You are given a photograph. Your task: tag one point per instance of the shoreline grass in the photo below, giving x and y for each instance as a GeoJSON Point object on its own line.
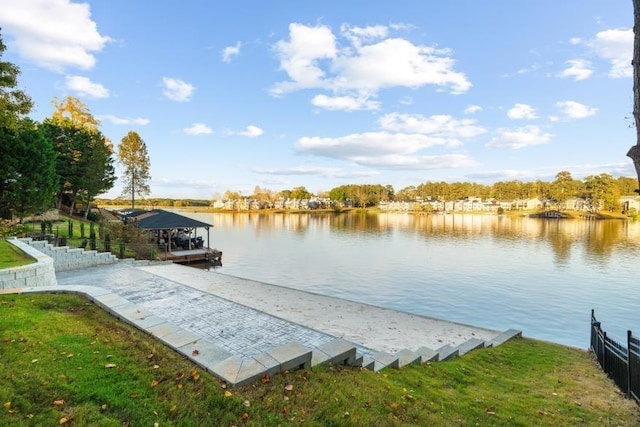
{"type": "Point", "coordinates": [64, 361]}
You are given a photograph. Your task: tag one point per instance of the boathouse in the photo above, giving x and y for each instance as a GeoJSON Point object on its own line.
{"type": "Point", "coordinates": [176, 235]}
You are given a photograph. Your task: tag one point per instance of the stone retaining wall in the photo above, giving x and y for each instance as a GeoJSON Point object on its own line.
{"type": "Point", "coordinates": [40, 273]}
{"type": "Point", "coordinates": [66, 258]}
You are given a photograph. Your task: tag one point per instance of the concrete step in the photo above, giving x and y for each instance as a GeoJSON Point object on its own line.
{"type": "Point", "coordinates": [470, 345]}
{"type": "Point", "coordinates": [356, 361]}
{"type": "Point", "coordinates": [291, 356]}
{"type": "Point", "coordinates": [335, 352]}
{"type": "Point", "coordinates": [407, 357]}
{"type": "Point", "coordinates": [383, 360]}
{"type": "Point", "coordinates": [428, 355]}
{"type": "Point", "coordinates": [504, 337]}
{"type": "Point", "coordinates": [446, 352]}
{"type": "Point", "coordinates": [368, 363]}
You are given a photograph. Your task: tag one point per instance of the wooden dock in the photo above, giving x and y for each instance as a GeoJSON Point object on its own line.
{"type": "Point", "coordinates": [194, 256]}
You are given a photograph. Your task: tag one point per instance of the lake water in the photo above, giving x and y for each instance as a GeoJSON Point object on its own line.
{"type": "Point", "coordinates": [540, 276]}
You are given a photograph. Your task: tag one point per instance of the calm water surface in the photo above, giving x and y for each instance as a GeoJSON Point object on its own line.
{"type": "Point", "coordinates": [540, 276]}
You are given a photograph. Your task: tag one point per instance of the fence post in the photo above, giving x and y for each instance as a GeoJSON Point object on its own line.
{"type": "Point", "coordinates": [629, 334]}
{"type": "Point", "coordinates": [604, 352]}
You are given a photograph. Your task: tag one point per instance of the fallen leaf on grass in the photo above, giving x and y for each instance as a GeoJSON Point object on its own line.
{"type": "Point", "coordinates": [110, 365]}
{"type": "Point", "coordinates": [195, 375]}
{"type": "Point", "coordinates": [245, 416]}
{"type": "Point", "coordinates": [265, 379]}
{"type": "Point", "coordinates": [228, 394]}
{"type": "Point", "coordinates": [66, 419]}
{"type": "Point", "coordinates": [7, 405]}
{"type": "Point", "coordinates": [34, 361]}
{"type": "Point", "coordinates": [58, 402]}
{"type": "Point", "coordinates": [154, 383]}
{"type": "Point", "coordinates": [288, 387]}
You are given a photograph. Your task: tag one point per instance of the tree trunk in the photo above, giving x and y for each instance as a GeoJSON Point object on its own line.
{"type": "Point", "coordinates": [88, 208]}
{"type": "Point", "coordinates": [634, 152]}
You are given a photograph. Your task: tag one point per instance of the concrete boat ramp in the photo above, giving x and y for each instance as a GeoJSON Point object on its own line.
{"type": "Point", "coordinates": [241, 330]}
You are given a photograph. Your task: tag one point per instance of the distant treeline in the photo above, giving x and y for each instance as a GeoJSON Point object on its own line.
{"type": "Point", "coordinates": [603, 188]}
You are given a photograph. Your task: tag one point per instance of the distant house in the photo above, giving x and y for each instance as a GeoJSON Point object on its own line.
{"type": "Point", "coordinates": [630, 202]}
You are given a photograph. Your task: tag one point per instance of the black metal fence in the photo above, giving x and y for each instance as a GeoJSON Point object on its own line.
{"type": "Point", "coordinates": [620, 363]}
{"type": "Point", "coordinates": [119, 248]}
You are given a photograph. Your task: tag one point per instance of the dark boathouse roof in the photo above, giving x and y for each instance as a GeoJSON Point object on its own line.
{"type": "Point", "coordinates": [159, 219]}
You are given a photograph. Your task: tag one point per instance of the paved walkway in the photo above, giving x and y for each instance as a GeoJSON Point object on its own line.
{"type": "Point", "coordinates": [247, 317]}
{"type": "Point", "coordinates": [239, 329]}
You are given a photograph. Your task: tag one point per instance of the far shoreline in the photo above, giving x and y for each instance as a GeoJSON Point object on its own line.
{"type": "Point", "coordinates": [581, 215]}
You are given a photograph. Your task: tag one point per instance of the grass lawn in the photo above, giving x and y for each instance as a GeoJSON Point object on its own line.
{"type": "Point", "coordinates": [11, 256]}
{"type": "Point", "coordinates": [63, 361]}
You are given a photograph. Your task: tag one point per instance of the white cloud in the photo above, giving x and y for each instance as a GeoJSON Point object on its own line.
{"type": "Point", "coordinates": [366, 144]}
{"type": "Point", "coordinates": [251, 131]}
{"type": "Point", "coordinates": [360, 35]}
{"type": "Point", "coordinates": [575, 40]}
{"type": "Point", "coordinates": [54, 34]}
{"type": "Point", "coordinates": [300, 55]}
{"type": "Point", "coordinates": [397, 62]}
{"type": "Point", "coordinates": [616, 46]}
{"type": "Point", "coordinates": [472, 109]}
{"type": "Point", "coordinates": [369, 62]}
{"type": "Point", "coordinates": [440, 126]}
{"type": "Point", "coordinates": [124, 120]}
{"type": "Point", "coordinates": [401, 162]}
{"type": "Point", "coordinates": [575, 110]}
{"type": "Point", "coordinates": [314, 170]}
{"type": "Point", "coordinates": [84, 87]}
{"type": "Point", "coordinates": [522, 111]}
{"type": "Point", "coordinates": [578, 69]}
{"type": "Point", "coordinates": [230, 51]}
{"type": "Point", "coordinates": [177, 90]}
{"type": "Point", "coordinates": [520, 138]}
{"type": "Point", "coordinates": [345, 103]}
{"type": "Point", "coordinates": [198, 129]}
{"type": "Point", "coordinates": [384, 150]}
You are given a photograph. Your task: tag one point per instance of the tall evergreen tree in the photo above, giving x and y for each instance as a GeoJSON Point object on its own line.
{"type": "Point", "coordinates": [26, 159]}
{"type": "Point", "coordinates": [133, 155]}
{"type": "Point", "coordinates": [14, 103]}
{"type": "Point", "coordinates": [27, 168]}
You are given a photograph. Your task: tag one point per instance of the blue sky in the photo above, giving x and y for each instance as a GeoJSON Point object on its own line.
{"type": "Point", "coordinates": [230, 95]}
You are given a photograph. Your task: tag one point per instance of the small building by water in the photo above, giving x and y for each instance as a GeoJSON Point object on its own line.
{"type": "Point", "coordinates": [178, 237]}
